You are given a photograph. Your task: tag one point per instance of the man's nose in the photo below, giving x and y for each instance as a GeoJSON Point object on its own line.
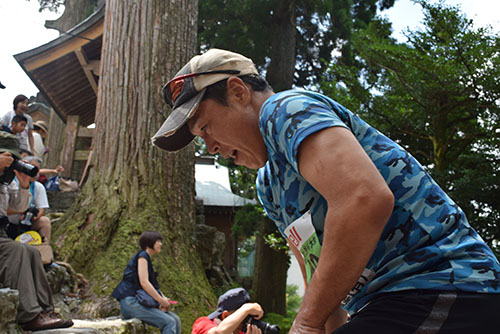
{"type": "Point", "coordinates": [212, 146]}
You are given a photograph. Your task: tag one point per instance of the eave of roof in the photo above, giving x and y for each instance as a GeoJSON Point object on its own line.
{"type": "Point", "coordinates": [61, 69]}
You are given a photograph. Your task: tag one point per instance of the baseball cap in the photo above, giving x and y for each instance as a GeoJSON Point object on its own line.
{"type": "Point", "coordinates": [9, 143]}
{"type": "Point", "coordinates": [185, 91]}
{"type": "Point", "coordinates": [229, 301]}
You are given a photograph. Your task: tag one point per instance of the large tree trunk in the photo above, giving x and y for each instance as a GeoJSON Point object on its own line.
{"type": "Point", "coordinates": [135, 186]}
{"type": "Point", "coordinates": [269, 276]}
{"type": "Point", "coordinates": [270, 273]}
{"type": "Point", "coordinates": [282, 66]}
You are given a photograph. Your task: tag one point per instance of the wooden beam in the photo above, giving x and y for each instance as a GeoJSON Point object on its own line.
{"type": "Point", "coordinates": [67, 47]}
{"type": "Point", "coordinates": [85, 170]}
{"type": "Point", "coordinates": [83, 62]}
{"type": "Point", "coordinates": [95, 67]}
{"type": "Point", "coordinates": [81, 155]}
{"type": "Point", "coordinates": [85, 132]}
{"type": "Point", "coordinates": [68, 150]}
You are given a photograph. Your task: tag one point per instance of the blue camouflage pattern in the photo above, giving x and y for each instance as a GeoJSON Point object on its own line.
{"type": "Point", "coordinates": [427, 242]}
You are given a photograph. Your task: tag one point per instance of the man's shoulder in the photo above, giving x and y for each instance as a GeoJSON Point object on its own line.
{"type": "Point", "coordinates": [39, 187]}
{"type": "Point", "coordinates": [202, 325]}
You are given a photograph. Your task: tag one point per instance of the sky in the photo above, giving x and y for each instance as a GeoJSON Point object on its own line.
{"type": "Point", "coordinates": [22, 29]}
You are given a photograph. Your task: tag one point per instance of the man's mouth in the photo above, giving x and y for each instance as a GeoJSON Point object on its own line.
{"type": "Point", "coordinates": [233, 154]}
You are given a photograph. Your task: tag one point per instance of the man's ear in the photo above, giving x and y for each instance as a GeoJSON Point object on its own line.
{"type": "Point", "coordinates": [224, 314]}
{"type": "Point", "coordinates": [237, 91]}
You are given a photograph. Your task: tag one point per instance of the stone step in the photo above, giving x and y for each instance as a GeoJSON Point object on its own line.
{"type": "Point", "coordinates": [113, 325]}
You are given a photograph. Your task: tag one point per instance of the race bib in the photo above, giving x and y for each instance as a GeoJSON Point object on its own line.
{"type": "Point", "coordinates": [302, 235]}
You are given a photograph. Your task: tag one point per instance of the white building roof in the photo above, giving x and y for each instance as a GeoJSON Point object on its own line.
{"type": "Point", "coordinates": [213, 186]}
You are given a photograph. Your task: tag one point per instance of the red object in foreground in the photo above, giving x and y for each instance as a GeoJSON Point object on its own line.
{"type": "Point", "coordinates": [173, 302]}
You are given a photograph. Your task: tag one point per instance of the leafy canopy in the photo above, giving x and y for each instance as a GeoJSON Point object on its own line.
{"type": "Point", "coordinates": [437, 94]}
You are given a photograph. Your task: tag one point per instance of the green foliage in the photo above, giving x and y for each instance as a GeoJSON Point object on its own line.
{"type": "Point", "coordinates": [437, 95]}
{"type": "Point", "coordinates": [293, 301]}
{"type": "Point", "coordinates": [276, 242]}
{"type": "Point", "coordinates": [246, 247]}
{"type": "Point", "coordinates": [246, 26]}
{"type": "Point", "coordinates": [246, 220]}
{"type": "Point", "coordinates": [51, 5]}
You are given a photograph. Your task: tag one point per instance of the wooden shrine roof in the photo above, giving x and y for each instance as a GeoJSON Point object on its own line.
{"type": "Point", "coordinates": [66, 70]}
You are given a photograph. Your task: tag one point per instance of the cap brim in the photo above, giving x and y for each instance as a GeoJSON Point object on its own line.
{"type": "Point", "coordinates": [214, 314]}
{"type": "Point", "coordinates": [174, 133]}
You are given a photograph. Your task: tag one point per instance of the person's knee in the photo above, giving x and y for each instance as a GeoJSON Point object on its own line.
{"type": "Point", "coordinates": [169, 321]}
{"type": "Point", "coordinates": [43, 222]}
{"type": "Point", "coordinates": [43, 226]}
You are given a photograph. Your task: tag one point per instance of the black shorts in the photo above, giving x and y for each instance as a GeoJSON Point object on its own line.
{"type": "Point", "coordinates": [427, 312]}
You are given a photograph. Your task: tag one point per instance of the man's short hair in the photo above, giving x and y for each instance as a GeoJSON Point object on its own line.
{"type": "Point", "coordinates": [217, 91]}
{"type": "Point", "coordinates": [19, 118]}
{"type": "Point", "coordinates": [148, 239]}
{"type": "Point", "coordinates": [24, 151]}
{"type": "Point", "coordinates": [31, 158]}
{"type": "Point", "coordinates": [19, 98]}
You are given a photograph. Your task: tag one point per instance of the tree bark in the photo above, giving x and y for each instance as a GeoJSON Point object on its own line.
{"type": "Point", "coordinates": [283, 43]}
{"type": "Point", "coordinates": [270, 272]}
{"type": "Point", "coordinates": [134, 186]}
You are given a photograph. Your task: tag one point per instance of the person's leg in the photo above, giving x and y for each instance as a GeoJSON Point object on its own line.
{"type": "Point", "coordinates": [42, 287]}
{"type": "Point", "coordinates": [44, 227]}
{"type": "Point", "coordinates": [473, 313]}
{"type": "Point", "coordinates": [130, 308]}
{"type": "Point", "coordinates": [16, 273]}
{"type": "Point", "coordinates": [177, 321]}
{"type": "Point", "coordinates": [423, 312]}
{"type": "Point", "coordinates": [390, 313]}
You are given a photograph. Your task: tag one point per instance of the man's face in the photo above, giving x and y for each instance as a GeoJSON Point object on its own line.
{"type": "Point", "coordinates": [34, 163]}
{"type": "Point", "coordinates": [22, 107]}
{"type": "Point", "coordinates": [18, 127]}
{"type": "Point", "coordinates": [232, 131]}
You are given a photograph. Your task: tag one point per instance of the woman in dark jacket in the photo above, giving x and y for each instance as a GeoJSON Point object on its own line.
{"type": "Point", "coordinates": [139, 274]}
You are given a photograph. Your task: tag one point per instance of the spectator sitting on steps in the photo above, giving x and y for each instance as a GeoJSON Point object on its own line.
{"type": "Point", "coordinates": [21, 267]}
{"type": "Point", "coordinates": [17, 125]}
{"type": "Point", "coordinates": [40, 131]}
{"type": "Point", "coordinates": [20, 108]}
{"type": "Point", "coordinates": [38, 204]}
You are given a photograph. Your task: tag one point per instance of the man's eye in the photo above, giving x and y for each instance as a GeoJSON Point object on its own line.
{"type": "Point", "coordinates": [203, 128]}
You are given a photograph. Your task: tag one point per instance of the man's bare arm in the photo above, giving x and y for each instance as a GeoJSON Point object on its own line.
{"type": "Point", "coordinates": [359, 205]}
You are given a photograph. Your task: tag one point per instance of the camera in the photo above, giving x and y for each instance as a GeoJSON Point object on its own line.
{"type": "Point", "coordinates": [20, 166]}
{"type": "Point", "coordinates": [265, 327]}
{"type": "Point", "coordinates": [25, 168]}
{"type": "Point", "coordinates": [31, 213]}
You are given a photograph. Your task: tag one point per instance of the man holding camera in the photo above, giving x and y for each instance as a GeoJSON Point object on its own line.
{"type": "Point", "coordinates": [233, 308]}
{"type": "Point", "coordinates": [34, 217]}
{"type": "Point", "coordinates": [21, 267]}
